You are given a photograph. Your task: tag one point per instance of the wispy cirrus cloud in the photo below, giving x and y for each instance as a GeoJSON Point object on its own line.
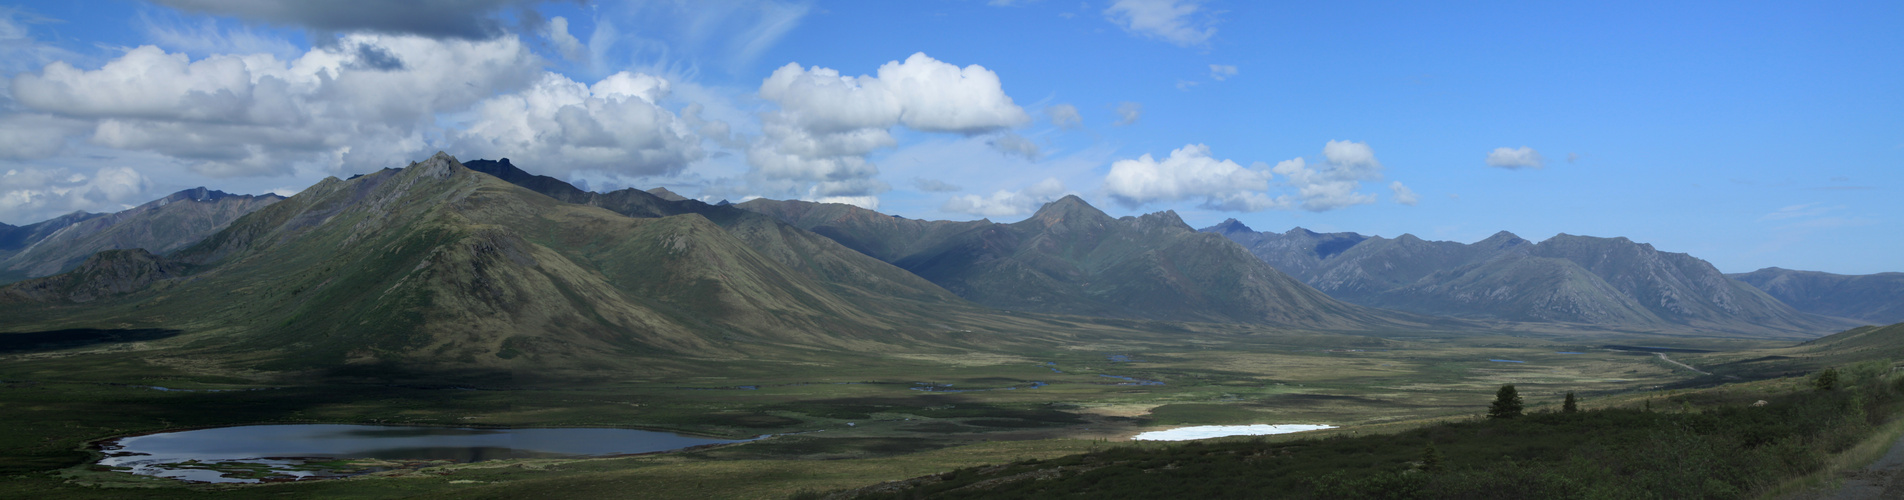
{"type": "Point", "coordinates": [1183, 23]}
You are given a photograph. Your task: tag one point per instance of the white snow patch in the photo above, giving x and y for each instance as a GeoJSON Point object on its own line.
{"type": "Point", "coordinates": [1217, 431]}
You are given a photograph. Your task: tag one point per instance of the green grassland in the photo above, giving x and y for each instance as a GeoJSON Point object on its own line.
{"type": "Point", "coordinates": [1044, 393]}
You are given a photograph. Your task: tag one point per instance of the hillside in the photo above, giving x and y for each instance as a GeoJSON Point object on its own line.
{"type": "Point", "coordinates": [437, 268]}
{"type": "Point", "coordinates": [816, 256]}
{"type": "Point", "coordinates": [1071, 258]}
{"type": "Point", "coordinates": [1609, 282]}
{"type": "Point", "coordinates": [1883, 344]}
{"type": "Point", "coordinates": [1876, 298]}
{"type": "Point", "coordinates": [160, 226]}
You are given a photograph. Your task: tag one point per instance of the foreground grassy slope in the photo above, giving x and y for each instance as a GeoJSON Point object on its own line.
{"type": "Point", "coordinates": [1717, 443]}
{"type": "Point", "coordinates": [1862, 343]}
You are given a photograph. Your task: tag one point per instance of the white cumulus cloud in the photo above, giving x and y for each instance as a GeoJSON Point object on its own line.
{"type": "Point", "coordinates": [1525, 157]}
{"type": "Point", "coordinates": [366, 101]}
{"type": "Point", "coordinates": [559, 125]}
{"type": "Point", "coordinates": [30, 195]}
{"type": "Point", "coordinates": [1173, 21]}
{"type": "Point", "coordinates": [828, 123]}
{"type": "Point", "coordinates": [1335, 182]}
{"type": "Point", "coordinates": [1003, 203]}
{"type": "Point", "coordinates": [1190, 173]}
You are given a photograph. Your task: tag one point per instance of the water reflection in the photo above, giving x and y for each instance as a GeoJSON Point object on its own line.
{"type": "Point", "coordinates": [286, 452]}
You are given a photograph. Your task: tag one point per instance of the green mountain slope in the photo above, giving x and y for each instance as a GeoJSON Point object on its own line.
{"type": "Point", "coordinates": [104, 275]}
{"type": "Point", "coordinates": [818, 257]}
{"type": "Point", "coordinates": [1877, 298]}
{"type": "Point", "coordinates": [1610, 282]}
{"type": "Point", "coordinates": [1878, 348]}
{"type": "Point", "coordinates": [160, 226]}
{"type": "Point", "coordinates": [442, 269]}
{"type": "Point", "coordinates": [1071, 258]}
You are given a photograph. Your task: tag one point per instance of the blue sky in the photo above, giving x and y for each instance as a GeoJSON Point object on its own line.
{"type": "Point", "coordinates": [1749, 134]}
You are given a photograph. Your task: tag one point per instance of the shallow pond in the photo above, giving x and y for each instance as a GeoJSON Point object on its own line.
{"type": "Point", "coordinates": [289, 452]}
{"type": "Point", "coordinates": [1217, 431]}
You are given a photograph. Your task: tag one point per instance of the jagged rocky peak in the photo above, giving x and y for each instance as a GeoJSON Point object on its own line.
{"type": "Point", "coordinates": [199, 194]}
{"type": "Point", "coordinates": [440, 165]}
{"type": "Point", "coordinates": [1231, 226]}
{"type": "Point", "coordinates": [1502, 240]}
{"type": "Point", "coordinates": [1167, 219]}
{"type": "Point", "coordinates": [1070, 208]}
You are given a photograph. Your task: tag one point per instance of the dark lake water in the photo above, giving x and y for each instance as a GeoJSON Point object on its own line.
{"type": "Point", "coordinates": [297, 451]}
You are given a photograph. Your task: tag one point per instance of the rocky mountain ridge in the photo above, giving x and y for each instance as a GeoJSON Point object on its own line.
{"type": "Point", "coordinates": [1613, 282]}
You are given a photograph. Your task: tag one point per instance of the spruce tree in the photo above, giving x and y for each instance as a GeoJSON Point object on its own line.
{"type": "Point", "coordinates": [1568, 406]}
{"type": "Point", "coordinates": [1507, 403]}
{"type": "Point", "coordinates": [1431, 459]}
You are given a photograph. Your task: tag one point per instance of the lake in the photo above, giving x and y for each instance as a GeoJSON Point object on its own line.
{"type": "Point", "coordinates": [1217, 431]}
{"type": "Point", "coordinates": [255, 453]}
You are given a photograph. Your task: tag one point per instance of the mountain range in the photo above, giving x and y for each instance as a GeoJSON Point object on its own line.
{"type": "Point", "coordinates": [1876, 298]}
{"type": "Point", "coordinates": [1071, 258]}
{"type": "Point", "coordinates": [160, 226]}
{"type": "Point", "coordinates": [1612, 282]}
{"type": "Point", "coordinates": [486, 268]}
{"type": "Point", "coordinates": [439, 268]}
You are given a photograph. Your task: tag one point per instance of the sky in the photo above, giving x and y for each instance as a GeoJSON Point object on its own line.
{"type": "Point", "coordinates": [1749, 134]}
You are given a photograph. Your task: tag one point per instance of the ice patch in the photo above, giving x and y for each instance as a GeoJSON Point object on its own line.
{"type": "Point", "coordinates": [1217, 431]}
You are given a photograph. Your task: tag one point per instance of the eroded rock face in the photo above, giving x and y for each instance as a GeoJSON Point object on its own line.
{"type": "Point", "coordinates": [160, 226]}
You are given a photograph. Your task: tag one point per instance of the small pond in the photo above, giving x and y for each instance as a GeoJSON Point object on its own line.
{"type": "Point", "coordinates": [1217, 431]}
{"type": "Point", "coordinates": [255, 453]}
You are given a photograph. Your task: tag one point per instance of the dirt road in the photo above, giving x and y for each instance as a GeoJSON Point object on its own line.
{"type": "Point", "coordinates": [1882, 479]}
{"type": "Point", "coordinates": [1662, 357]}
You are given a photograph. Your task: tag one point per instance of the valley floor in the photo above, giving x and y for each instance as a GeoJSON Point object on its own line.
{"type": "Point", "coordinates": [842, 420]}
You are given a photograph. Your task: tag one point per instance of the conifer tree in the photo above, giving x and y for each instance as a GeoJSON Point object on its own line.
{"type": "Point", "coordinates": [1431, 459]}
{"type": "Point", "coordinates": [1507, 403]}
{"type": "Point", "coordinates": [1569, 406]}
